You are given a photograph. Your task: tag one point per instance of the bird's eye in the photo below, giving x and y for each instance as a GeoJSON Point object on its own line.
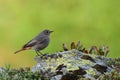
{"type": "Point", "coordinates": [47, 32]}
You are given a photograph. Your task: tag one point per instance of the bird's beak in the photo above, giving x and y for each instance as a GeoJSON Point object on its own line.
{"type": "Point", "coordinates": [51, 31]}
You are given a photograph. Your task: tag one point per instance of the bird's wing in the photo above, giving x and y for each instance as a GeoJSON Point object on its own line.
{"type": "Point", "coordinates": [34, 42]}
{"type": "Point", "coordinates": [44, 40]}
{"type": "Point", "coordinates": [30, 43]}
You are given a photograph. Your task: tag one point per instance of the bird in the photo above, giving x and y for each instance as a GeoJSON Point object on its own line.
{"type": "Point", "coordinates": [38, 43]}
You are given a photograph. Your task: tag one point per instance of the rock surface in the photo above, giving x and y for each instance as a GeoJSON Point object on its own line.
{"type": "Point", "coordinates": [71, 65]}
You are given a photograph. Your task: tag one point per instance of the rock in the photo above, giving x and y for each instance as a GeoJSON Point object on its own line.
{"type": "Point", "coordinates": [71, 65]}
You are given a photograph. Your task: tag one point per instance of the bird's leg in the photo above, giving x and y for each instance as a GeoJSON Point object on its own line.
{"type": "Point", "coordinates": [37, 53]}
{"type": "Point", "coordinates": [40, 52]}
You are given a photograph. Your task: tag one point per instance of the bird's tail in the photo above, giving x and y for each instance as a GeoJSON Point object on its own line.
{"type": "Point", "coordinates": [22, 49]}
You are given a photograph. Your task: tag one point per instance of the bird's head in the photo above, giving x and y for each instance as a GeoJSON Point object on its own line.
{"type": "Point", "coordinates": [47, 32]}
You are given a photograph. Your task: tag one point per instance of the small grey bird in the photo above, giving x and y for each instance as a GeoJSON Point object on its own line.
{"type": "Point", "coordinates": [38, 43]}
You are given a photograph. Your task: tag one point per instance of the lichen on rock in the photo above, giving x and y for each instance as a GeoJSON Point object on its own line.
{"type": "Point", "coordinates": [71, 64]}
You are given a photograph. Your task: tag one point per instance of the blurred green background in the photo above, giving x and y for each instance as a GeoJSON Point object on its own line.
{"type": "Point", "coordinates": [93, 22]}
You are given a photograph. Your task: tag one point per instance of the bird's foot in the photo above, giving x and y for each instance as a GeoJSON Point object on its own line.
{"type": "Point", "coordinates": [38, 53]}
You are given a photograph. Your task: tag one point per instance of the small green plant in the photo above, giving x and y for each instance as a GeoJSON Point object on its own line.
{"type": "Point", "coordinates": [18, 74]}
